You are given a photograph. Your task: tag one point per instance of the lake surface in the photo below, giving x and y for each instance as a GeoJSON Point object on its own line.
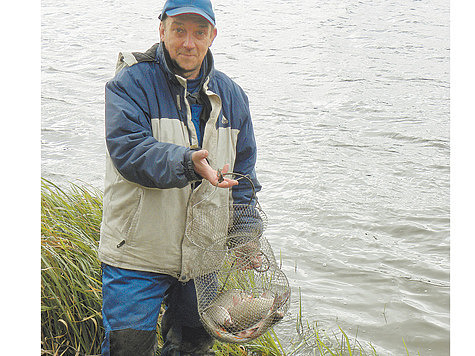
{"type": "Point", "coordinates": [350, 103]}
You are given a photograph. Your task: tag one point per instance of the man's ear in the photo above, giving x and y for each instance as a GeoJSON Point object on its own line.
{"type": "Point", "coordinates": [161, 31]}
{"type": "Point", "coordinates": [213, 35]}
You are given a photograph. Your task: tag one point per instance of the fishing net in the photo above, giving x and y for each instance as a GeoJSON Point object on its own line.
{"type": "Point", "coordinates": [241, 291]}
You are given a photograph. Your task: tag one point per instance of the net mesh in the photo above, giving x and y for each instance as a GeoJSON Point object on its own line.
{"type": "Point", "coordinates": [241, 291]}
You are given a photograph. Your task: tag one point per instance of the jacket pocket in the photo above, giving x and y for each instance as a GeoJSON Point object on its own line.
{"type": "Point", "coordinates": [123, 209]}
{"type": "Point", "coordinates": [129, 229]}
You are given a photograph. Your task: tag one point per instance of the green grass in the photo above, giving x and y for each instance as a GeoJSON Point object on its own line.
{"type": "Point", "coordinates": [70, 272]}
{"type": "Point", "coordinates": [71, 320]}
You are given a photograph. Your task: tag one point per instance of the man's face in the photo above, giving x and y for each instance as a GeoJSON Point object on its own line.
{"type": "Point", "coordinates": [187, 38]}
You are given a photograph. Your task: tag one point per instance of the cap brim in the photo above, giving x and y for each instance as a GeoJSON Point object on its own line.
{"type": "Point", "coordinates": [190, 10]}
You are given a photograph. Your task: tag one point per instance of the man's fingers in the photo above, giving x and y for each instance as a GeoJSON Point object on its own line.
{"type": "Point", "coordinates": [227, 183]}
{"type": "Point", "coordinates": [214, 177]}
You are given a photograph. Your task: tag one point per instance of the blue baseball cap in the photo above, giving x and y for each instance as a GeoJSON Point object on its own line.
{"type": "Point", "coordinates": [198, 7]}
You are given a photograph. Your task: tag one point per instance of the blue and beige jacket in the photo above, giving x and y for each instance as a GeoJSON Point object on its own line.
{"type": "Point", "coordinates": [149, 189]}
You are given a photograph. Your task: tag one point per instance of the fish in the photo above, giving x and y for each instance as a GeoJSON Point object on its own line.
{"type": "Point", "coordinates": [236, 316]}
{"type": "Point", "coordinates": [273, 316]}
{"type": "Point", "coordinates": [261, 327]}
{"type": "Point", "coordinates": [249, 311]}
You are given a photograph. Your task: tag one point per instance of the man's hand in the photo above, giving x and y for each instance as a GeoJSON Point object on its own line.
{"type": "Point", "coordinates": [203, 168]}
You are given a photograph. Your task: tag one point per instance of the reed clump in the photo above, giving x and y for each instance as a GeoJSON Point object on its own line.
{"type": "Point", "coordinates": [71, 320]}
{"type": "Point", "coordinates": [70, 271]}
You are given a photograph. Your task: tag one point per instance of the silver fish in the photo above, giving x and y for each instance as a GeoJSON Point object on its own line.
{"type": "Point", "coordinates": [237, 316]}
{"type": "Point", "coordinates": [217, 315]}
{"type": "Point", "coordinates": [249, 311]}
{"type": "Point", "coordinates": [262, 326]}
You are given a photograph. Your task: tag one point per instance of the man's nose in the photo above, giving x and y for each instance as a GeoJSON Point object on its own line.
{"type": "Point", "coordinates": [189, 41]}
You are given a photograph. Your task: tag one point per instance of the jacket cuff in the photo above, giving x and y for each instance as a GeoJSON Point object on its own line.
{"type": "Point", "coordinates": [190, 173]}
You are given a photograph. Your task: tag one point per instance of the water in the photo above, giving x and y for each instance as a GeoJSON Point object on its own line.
{"type": "Point", "coordinates": [350, 102]}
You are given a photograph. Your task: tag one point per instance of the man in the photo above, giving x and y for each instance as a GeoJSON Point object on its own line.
{"type": "Point", "coordinates": [171, 121]}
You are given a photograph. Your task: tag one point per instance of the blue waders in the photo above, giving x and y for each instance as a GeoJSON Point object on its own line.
{"type": "Point", "coordinates": [130, 309]}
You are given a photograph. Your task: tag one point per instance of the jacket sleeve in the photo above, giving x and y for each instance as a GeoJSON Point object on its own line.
{"type": "Point", "coordinates": [136, 154]}
{"type": "Point", "coordinates": [246, 156]}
